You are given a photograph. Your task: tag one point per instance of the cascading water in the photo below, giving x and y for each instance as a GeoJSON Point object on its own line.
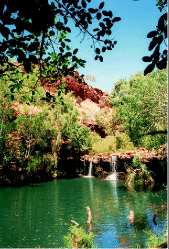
{"type": "Point", "coordinates": [90, 171]}
{"type": "Point", "coordinates": [113, 175]}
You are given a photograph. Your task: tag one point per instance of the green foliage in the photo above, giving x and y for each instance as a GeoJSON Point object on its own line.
{"type": "Point", "coordinates": [79, 136]}
{"type": "Point", "coordinates": [79, 238]}
{"type": "Point", "coordinates": [139, 172]}
{"type": "Point", "coordinates": [84, 118]}
{"type": "Point", "coordinates": [110, 144]}
{"type": "Point", "coordinates": [136, 162]}
{"type": "Point", "coordinates": [33, 129]}
{"type": "Point", "coordinates": [99, 120]}
{"type": "Point", "coordinates": [108, 120]}
{"type": "Point", "coordinates": [118, 142]}
{"type": "Point", "coordinates": [155, 240]}
{"type": "Point", "coordinates": [142, 106]}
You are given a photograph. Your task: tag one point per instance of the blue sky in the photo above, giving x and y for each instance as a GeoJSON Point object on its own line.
{"type": "Point", "coordinates": [138, 18]}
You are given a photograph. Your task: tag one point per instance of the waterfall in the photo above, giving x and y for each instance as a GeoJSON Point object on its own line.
{"type": "Point", "coordinates": [90, 169]}
{"type": "Point", "coordinates": [113, 175]}
{"type": "Point", "coordinates": [113, 161]}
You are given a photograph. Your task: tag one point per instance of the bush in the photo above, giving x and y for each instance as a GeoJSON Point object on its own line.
{"type": "Point", "coordinates": [139, 172]}
{"type": "Point", "coordinates": [118, 142]}
{"type": "Point", "coordinates": [154, 240]}
{"type": "Point", "coordinates": [79, 238]}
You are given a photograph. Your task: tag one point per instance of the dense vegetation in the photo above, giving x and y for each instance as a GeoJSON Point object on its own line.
{"type": "Point", "coordinates": [142, 106]}
{"type": "Point", "coordinates": [33, 127]}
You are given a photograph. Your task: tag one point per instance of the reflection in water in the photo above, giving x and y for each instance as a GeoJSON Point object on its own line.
{"type": "Point", "coordinates": [89, 220]}
{"type": "Point", "coordinates": [40, 216]}
{"type": "Point", "coordinates": [131, 216]}
{"type": "Point", "coordinates": [114, 191]}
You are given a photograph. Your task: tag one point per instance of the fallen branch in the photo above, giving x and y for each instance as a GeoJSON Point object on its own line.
{"type": "Point", "coordinates": [75, 222]}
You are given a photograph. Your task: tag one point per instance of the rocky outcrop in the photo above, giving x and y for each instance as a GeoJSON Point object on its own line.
{"type": "Point", "coordinates": [82, 90]}
{"type": "Point", "coordinates": [153, 160]}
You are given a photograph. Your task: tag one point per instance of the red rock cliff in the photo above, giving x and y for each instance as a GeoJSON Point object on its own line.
{"type": "Point", "coordinates": [82, 90]}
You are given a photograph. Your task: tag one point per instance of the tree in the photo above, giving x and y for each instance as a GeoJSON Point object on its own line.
{"type": "Point", "coordinates": [158, 41]}
{"type": "Point", "coordinates": [29, 28]}
{"type": "Point", "coordinates": [142, 105]}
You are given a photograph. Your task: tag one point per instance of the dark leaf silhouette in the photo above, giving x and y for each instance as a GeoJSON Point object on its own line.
{"type": "Point", "coordinates": [4, 31]}
{"type": "Point", "coordinates": [153, 43]}
{"type": "Point", "coordinates": [33, 59]}
{"type": "Point", "coordinates": [27, 65]}
{"type": "Point", "coordinates": [95, 29]}
{"type": "Point", "coordinates": [162, 64]}
{"type": "Point", "coordinates": [65, 20]}
{"type": "Point", "coordinates": [106, 19]}
{"type": "Point", "coordinates": [84, 4]}
{"type": "Point", "coordinates": [101, 58]}
{"type": "Point", "coordinates": [149, 68]}
{"type": "Point", "coordinates": [161, 22]}
{"type": "Point", "coordinates": [51, 33]}
{"type": "Point", "coordinates": [102, 33]}
{"type": "Point", "coordinates": [105, 13]}
{"type": "Point", "coordinates": [45, 26]}
{"type": "Point", "coordinates": [103, 49]}
{"type": "Point", "coordinates": [98, 16]}
{"type": "Point", "coordinates": [116, 19]}
{"type": "Point", "coordinates": [156, 54]}
{"type": "Point", "coordinates": [97, 50]}
{"type": "Point", "coordinates": [101, 5]}
{"type": "Point", "coordinates": [147, 59]}
{"type": "Point", "coordinates": [102, 25]}
{"type": "Point", "coordinates": [33, 46]}
{"type": "Point", "coordinates": [75, 51]}
{"type": "Point", "coordinates": [93, 11]}
{"type": "Point", "coordinates": [152, 34]}
{"type": "Point", "coordinates": [110, 14]}
{"type": "Point", "coordinates": [108, 32]}
{"type": "Point", "coordinates": [109, 48]}
{"type": "Point", "coordinates": [61, 49]}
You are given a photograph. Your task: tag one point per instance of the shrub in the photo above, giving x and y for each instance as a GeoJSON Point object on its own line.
{"type": "Point", "coordinates": [118, 142]}
{"type": "Point", "coordinates": [139, 172]}
{"type": "Point", "coordinates": [154, 240]}
{"type": "Point", "coordinates": [84, 118]}
{"type": "Point", "coordinates": [79, 238]}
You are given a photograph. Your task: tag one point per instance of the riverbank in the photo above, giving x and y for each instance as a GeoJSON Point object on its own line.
{"type": "Point", "coordinates": [70, 167]}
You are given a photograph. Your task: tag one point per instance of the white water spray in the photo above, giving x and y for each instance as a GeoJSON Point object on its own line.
{"type": "Point", "coordinates": [90, 171]}
{"type": "Point", "coordinates": [113, 175]}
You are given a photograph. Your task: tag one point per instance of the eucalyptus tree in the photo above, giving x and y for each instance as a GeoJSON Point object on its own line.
{"type": "Point", "coordinates": [142, 105]}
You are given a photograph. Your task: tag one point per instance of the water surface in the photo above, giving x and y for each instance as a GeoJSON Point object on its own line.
{"type": "Point", "coordinates": [39, 215]}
